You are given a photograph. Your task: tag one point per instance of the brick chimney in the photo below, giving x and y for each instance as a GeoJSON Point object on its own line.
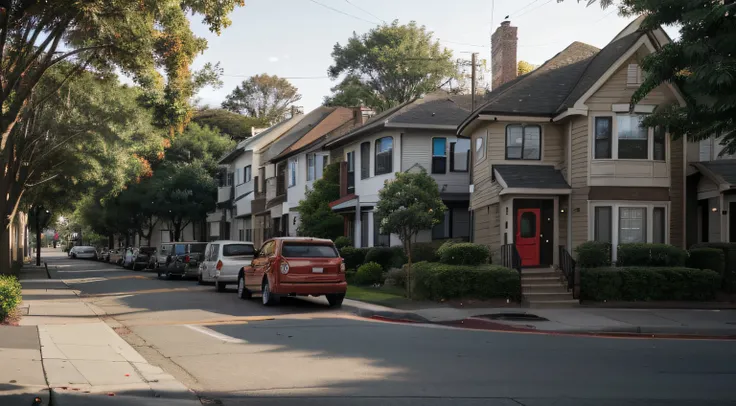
{"type": "Point", "coordinates": [503, 54]}
{"type": "Point", "coordinates": [361, 115]}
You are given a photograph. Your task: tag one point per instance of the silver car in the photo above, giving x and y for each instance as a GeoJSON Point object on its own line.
{"type": "Point", "coordinates": [83, 252]}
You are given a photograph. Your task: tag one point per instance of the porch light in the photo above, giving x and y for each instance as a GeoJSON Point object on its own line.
{"type": "Point", "coordinates": [562, 210]}
{"type": "Point", "coordinates": [715, 209]}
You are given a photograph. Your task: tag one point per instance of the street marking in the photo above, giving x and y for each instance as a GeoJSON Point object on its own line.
{"type": "Point", "coordinates": [215, 334]}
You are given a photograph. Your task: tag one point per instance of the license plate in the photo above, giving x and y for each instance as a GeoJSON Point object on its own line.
{"type": "Point", "coordinates": [318, 270]}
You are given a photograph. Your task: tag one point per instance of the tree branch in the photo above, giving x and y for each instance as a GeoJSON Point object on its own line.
{"type": "Point", "coordinates": [77, 51]}
{"type": "Point", "coordinates": [40, 182]}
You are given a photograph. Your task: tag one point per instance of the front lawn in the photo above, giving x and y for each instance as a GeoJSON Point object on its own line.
{"type": "Point", "coordinates": [390, 296]}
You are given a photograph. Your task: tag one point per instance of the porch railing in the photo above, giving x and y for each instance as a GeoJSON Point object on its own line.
{"type": "Point", "coordinates": [570, 271]}
{"type": "Point", "coordinates": [511, 259]}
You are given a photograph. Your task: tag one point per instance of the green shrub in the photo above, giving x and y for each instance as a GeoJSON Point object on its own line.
{"type": "Point", "coordinates": [728, 282]}
{"type": "Point", "coordinates": [399, 257]}
{"type": "Point", "coordinates": [464, 253]}
{"type": "Point", "coordinates": [342, 242]}
{"type": "Point", "coordinates": [443, 281]}
{"type": "Point", "coordinates": [648, 284]}
{"type": "Point", "coordinates": [368, 274]}
{"type": "Point", "coordinates": [10, 295]}
{"type": "Point", "coordinates": [424, 251]}
{"type": "Point", "coordinates": [707, 258]}
{"type": "Point", "coordinates": [396, 277]}
{"type": "Point", "coordinates": [353, 257]}
{"type": "Point", "coordinates": [593, 254]}
{"type": "Point", "coordinates": [645, 254]}
{"type": "Point", "coordinates": [385, 256]}
{"type": "Point", "coordinates": [350, 276]}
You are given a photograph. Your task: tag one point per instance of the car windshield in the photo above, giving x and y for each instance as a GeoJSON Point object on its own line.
{"type": "Point", "coordinates": [197, 248]}
{"type": "Point", "coordinates": [234, 250]}
{"type": "Point", "coordinates": [180, 249]}
{"type": "Point", "coordinates": [308, 250]}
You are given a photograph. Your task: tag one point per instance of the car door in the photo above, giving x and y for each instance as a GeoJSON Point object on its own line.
{"type": "Point", "coordinates": [254, 273]}
{"type": "Point", "coordinates": [212, 261]}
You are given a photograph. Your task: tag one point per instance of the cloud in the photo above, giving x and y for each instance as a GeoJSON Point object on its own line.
{"type": "Point", "coordinates": [273, 59]}
{"type": "Point", "coordinates": [286, 56]}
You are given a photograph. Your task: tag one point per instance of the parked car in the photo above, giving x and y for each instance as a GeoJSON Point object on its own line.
{"type": "Point", "coordinates": [83, 252]}
{"type": "Point", "coordinates": [163, 252]}
{"type": "Point", "coordinates": [104, 255]}
{"type": "Point", "coordinates": [116, 256]}
{"type": "Point", "coordinates": [128, 256]}
{"type": "Point", "coordinates": [144, 258]}
{"type": "Point", "coordinates": [222, 262]}
{"type": "Point", "coordinates": [295, 266]}
{"type": "Point", "coordinates": [182, 260]}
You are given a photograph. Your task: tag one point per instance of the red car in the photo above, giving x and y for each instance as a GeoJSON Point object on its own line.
{"type": "Point", "coordinates": [294, 266]}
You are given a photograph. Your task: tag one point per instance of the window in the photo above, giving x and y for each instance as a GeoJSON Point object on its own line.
{"type": "Point", "coordinates": [310, 167]}
{"type": "Point", "coordinates": [238, 176]}
{"type": "Point", "coordinates": [236, 250]}
{"type": "Point", "coordinates": [322, 162]}
{"type": "Point", "coordinates": [658, 225]}
{"type": "Point", "coordinates": [248, 174]}
{"type": "Point", "coordinates": [603, 131]}
{"type": "Point", "coordinates": [523, 142]}
{"type": "Point", "coordinates": [528, 227]}
{"type": "Point", "coordinates": [602, 227]}
{"type": "Point", "coordinates": [706, 147]}
{"type": "Point", "coordinates": [633, 139]}
{"type": "Point", "coordinates": [632, 225]}
{"type": "Point", "coordinates": [633, 75]}
{"type": "Point", "coordinates": [300, 250]}
{"type": "Point", "coordinates": [480, 148]}
{"type": "Point", "coordinates": [439, 155]}
{"type": "Point", "coordinates": [267, 249]}
{"type": "Point", "coordinates": [241, 235]}
{"type": "Point", "coordinates": [365, 160]}
{"type": "Point", "coordinates": [660, 142]}
{"type": "Point", "coordinates": [292, 172]}
{"type": "Point", "coordinates": [350, 158]}
{"type": "Point", "coordinates": [379, 240]}
{"type": "Point", "coordinates": [460, 155]}
{"type": "Point", "coordinates": [384, 155]}
{"type": "Point", "coordinates": [441, 231]}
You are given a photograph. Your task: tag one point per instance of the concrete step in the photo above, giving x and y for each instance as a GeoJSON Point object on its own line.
{"type": "Point", "coordinates": [535, 297]}
{"type": "Point", "coordinates": [548, 274]}
{"type": "Point", "coordinates": [543, 304]}
{"type": "Point", "coordinates": [539, 289]}
{"type": "Point", "coordinates": [540, 279]}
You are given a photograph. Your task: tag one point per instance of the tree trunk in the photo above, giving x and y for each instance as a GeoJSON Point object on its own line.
{"type": "Point", "coordinates": [177, 230]}
{"type": "Point", "coordinates": [409, 287]}
{"type": "Point", "coordinates": [38, 237]}
{"type": "Point", "coordinates": [5, 263]}
{"type": "Point", "coordinates": [110, 241]}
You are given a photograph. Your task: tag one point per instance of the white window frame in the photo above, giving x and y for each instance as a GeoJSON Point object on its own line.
{"type": "Point", "coordinates": [638, 76]}
{"type": "Point", "coordinates": [614, 140]}
{"type": "Point", "coordinates": [311, 169]}
{"type": "Point", "coordinates": [292, 172]}
{"type": "Point", "coordinates": [480, 157]}
{"type": "Point", "coordinates": [615, 213]}
{"type": "Point", "coordinates": [318, 158]}
{"type": "Point", "coordinates": [248, 173]}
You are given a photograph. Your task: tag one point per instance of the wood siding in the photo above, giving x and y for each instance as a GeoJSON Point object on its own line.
{"type": "Point", "coordinates": [579, 181]}
{"type": "Point", "coordinates": [562, 222]}
{"type": "Point", "coordinates": [417, 149]}
{"type": "Point", "coordinates": [677, 194]}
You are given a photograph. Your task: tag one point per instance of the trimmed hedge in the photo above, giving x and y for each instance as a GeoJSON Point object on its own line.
{"type": "Point", "coordinates": [342, 242]}
{"type": "Point", "coordinates": [387, 257]}
{"type": "Point", "coordinates": [464, 253]}
{"type": "Point", "coordinates": [368, 274]}
{"type": "Point", "coordinates": [729, 251]}
{"type": "Point", "coordinates": [645, 254]}
{"type": "Point", "coordinates": [648, 284]}
{"type": "Point", "coordinates": [593, 254]}
{"type": "Point", "coordinates": [353, 257]}
{"type": "Point", "coordinates": [396, 277]}
{"type": "Point", "coordinates": [437, 281]}
{"type": "Point", "coordinates": [10, 295]}
{"type": "Point", "coordinates": [424, 251]}
{"type": "Point", "coordinates": [707, 258]}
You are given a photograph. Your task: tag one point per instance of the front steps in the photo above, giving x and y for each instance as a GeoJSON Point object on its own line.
{"type": "Point", "coordinates": [545, 287]}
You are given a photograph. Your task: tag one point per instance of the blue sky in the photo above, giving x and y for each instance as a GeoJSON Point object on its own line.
{"type": "Point", "coordinates": [294, 38]}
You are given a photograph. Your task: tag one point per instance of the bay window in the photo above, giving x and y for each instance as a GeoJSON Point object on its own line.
{"type": "Point", "coordinates": [523, 142]}
{"type": "Point", "coordinates": [633, 139]}
{"type": "Point", "coordinates": [384, 156]}
{"type": "Point", "coordinates": [603, 132]}
{"type": "Point", "coordinates": [621, 136]}
{"type": "Point", "coordinates": [632, 225]}
{"type": "Point", "coordinates": [439, 155]}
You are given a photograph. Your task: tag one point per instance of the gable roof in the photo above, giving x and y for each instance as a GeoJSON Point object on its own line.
{"type": "Point", "coordinates": [302, 128]}
{"type": "Point", "coordinates": [337, 118]}
{"type": "Point", "coordinates": [249, 143]}
{"type": "Point", "coordinates": [720, 171]}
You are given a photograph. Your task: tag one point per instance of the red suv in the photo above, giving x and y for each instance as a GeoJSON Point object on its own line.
{"type": "Point", "coordinates": [294, 266]}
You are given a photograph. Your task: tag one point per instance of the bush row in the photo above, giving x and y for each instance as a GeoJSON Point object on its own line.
{"type": "Point", "coordinates": [10, 295]}
{"type": "Point", "coordinates": [449, 252]}
{"type": "Point", "coordinates": [728, 280]}
{"type": "Point", "coordinates": [437, 281]}
{"type": "Point", "coordinates": [645, 284]}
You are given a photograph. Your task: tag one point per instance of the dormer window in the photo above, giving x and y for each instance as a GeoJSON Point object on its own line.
{"type": "Point", "coordinates": [523, 142]}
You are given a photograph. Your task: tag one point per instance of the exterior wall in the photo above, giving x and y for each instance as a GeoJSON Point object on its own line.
{"type": "Point", "coordinates": [578, 208]}
{"type": "Point", "coordinates": [417, 147]}
{"type": "Point", "coordinates": [368, 188]}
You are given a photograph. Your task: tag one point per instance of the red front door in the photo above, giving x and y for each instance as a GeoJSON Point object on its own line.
{"type": "Point", "coordinates": [527, 236]}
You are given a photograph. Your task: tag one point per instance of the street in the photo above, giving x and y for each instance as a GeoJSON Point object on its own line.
{"type": "Point", "coordinates": [234, 352]}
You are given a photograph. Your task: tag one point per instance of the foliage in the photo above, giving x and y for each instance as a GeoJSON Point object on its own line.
{"type": "Point", "coordinates": [317, 218]}
{"type": "Point", "coordinates": [353, 257]}
{"type": "Point", "coordinates": [648, 283]}
{"type": "Point", "coordinates": [10, 295]}
{"type": "Point", "coordinates": [369, 273]}
{"type": "Point", "coordinates": [729, 252]}
{"type": "Point", "coordinates": [384, 295]}
{"type": "Point", "coordinates": [263, 97]}
{"type": "Point", "coordinates": [199, 144]}
{"type": "Point", "coordinates": [442, 281]}
{"type": "Point", "coordinates": [389, 65]}
{"type": "Point", "coordinates": [425, 251]}
{"type": "Point", "coordinates": [464, 253]}
{"type": "Point", "coordinates": [593, 254]}
{"type": "Point", "coordinates": [525, 67]}
{"type": "Point", "coordinates": [342, 242]}
{"type": "Point", "coordinates": [234, 125]}
{"type": "Point", "coordinates": [707, 258]}
{"type": "Point", "coordinates": [396, 277]}
{"type": "Point", "coordinates": [646, 254]}
{"type": "Point", "coordinates": [387, 257]}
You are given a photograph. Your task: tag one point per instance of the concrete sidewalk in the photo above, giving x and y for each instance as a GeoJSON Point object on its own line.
{"type": "Point", "coordinates": [84, 360]}
{"type": "Point", "coordinates": [716, 323]}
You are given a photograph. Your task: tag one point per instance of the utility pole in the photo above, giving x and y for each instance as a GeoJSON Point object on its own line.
{"type": "Point", "coordinates": [473, 63]}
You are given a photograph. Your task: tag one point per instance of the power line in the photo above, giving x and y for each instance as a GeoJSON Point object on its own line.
{"type": "Point", "coordinates": [527, 5]}
{"type": "Point", "coordinates": [342, 12]}
{"type": "Point", "coordinates": [465, 43]}
{"type": "Point", "coordinates": [366, 11]}
{"type": "Point", "coordinates": [534, 8]}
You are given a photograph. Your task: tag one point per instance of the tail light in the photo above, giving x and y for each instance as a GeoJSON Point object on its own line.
{"type": "Point", "coordinates": [284, 267]}
{"type": "Point", "coordinates": [186, 259]}
{"type": "Point", "coordinates": [219, 265]}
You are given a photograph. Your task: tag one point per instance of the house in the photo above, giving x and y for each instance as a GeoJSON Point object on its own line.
{"type": "Point", "coordinates": [416, 135]}
{"type": "Point", "coordinates": [271, 207]}
{"type": "Point", "coordinates": [232, 218]}
{"type": "Point", "coordinates": [559, 158]}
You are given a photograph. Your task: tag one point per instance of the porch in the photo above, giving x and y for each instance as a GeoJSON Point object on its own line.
{"type": "Point", "coordinates": [714, 201]}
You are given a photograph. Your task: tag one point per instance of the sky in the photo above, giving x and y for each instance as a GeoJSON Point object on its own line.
{"type": "Point", "coordinates": [294, 38]}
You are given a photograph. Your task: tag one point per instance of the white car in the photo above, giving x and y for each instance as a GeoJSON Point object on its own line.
{"type": "Point", "coordinates": [83, 252]}
{"type": "Point", "coordinates": [223, 260]}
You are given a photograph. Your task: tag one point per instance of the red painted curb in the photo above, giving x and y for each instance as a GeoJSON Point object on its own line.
{"type": "Point", "coordinates": [381, 318]}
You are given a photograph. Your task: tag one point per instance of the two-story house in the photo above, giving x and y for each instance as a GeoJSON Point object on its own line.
{"type": "Point", "coordinates": [419, 134]}
{"type": "Point", "coordinates": [233, 219]}
{"type": "Point", "coordinates": [559, 157]}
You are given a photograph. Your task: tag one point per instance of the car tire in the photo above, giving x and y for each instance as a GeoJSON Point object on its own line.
{"type": "Point", "coordinates": [243, 292]}
{"type": "Point", "coordinates": [219, 286]}
{"type": "Point", "coordinates": [269, 299]}
{"type": "Point", "coordinates": [335, 299]}
{"type": "Point", "coordinates": [74, 256]}
{"type": "Point", "coordinates": [163, 275]}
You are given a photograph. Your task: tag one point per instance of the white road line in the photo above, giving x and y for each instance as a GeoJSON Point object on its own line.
{"type": "Point", "coordinates": [215, 334]}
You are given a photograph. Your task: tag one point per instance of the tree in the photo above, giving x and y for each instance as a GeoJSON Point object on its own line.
{"type": "Point", "coordinates": [234, 125]}
{"type": "Point", "coordinates": [317, 218]}
{"type": "Point", "coordinates": [263, 97]}
{"type": "Point", "coordinates": [392, 63]}
{"type": "Point", "coordinates": [407, 205]}
{"type": "Point", "coordinates": [525, 67]}
{"type": "Point", "coordinates": [201, 144]}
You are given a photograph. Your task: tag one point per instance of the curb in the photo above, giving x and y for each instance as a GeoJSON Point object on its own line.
{"type": "Point", "coordinates": [387, 315]}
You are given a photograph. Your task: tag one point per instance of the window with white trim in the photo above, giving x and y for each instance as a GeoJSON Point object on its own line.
{"type": "Point", "coordinates": [460, 155]}
{"type": "Point", "coordinates": [292, 172]}
{"type": "Point", "coordinates": [384, 156]}
{"type": "Point", "coordinates": [629, 222]}
{"type": "Point", "coordinates": [480, 148]}
{"type": "Point", "coordinates": [523, 142]}
{"type": "Point", "coordinates": [310, 167]}
{"type": "Point", "coordinates": [621, 136]}
{"type": "Point", "coordinates": [632, 223]}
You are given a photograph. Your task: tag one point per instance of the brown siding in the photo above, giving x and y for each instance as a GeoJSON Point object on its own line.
{"type": "Point", "coordinates": [481, 197]}
{"type": "Point", "coordinates": [562, 222]}
{"type": "Point", "coordinates": [677, 194]}
{"type": "Point", "coordinates": [579, 181]}
{"type": "Point", "coordinates": [495, 224]}
{"type": "Point", "coordinates": [482, 226]}
{"type": "Point", "coordinates": [654, 194]}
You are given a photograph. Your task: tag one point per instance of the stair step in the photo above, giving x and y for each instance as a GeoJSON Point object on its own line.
{"type": "Point", "coordinates": [538, 289]}
{"type": "Point", "coordinates": [541, 275]}
{"type": "Point", "coordinates": [554, 303]}
{"type": "Point", "coordinates": [536, 297]}
{"type": "Point", "coordinates": [531, 271]}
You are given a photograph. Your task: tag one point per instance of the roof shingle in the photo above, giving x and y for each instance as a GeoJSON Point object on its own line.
{"type": "Point", "coordinates": [531, 176]}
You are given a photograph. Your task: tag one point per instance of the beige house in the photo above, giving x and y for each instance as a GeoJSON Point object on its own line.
{"type": "Point", "coordinates": [559, 158]}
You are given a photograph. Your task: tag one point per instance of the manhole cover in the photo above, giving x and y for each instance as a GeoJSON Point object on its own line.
{"type": "Point", "coordinates": [513, 317]}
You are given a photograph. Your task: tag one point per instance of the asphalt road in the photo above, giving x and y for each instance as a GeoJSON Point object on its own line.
{"type": "Point", "coordinates": [235, 352]}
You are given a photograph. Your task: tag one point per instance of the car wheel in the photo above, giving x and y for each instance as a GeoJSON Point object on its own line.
{"type": "Point", "coordinates": [335, 299]}
{"type": "Point", "coordinates": [243, 293]}
{"type": "Point", "coordinates": [74, 256]}
{"type": "Point", "coordinates": [269, 299]}
{"type": "Point", "coordinates": [163, 275]}
{"type": "Point", "coordinates": [219, 286]}
{"type": "Point", "coordinates": [199, 279]}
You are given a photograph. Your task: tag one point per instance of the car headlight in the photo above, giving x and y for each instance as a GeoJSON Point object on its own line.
{"type": "Point", "coordinates": [284, 268]}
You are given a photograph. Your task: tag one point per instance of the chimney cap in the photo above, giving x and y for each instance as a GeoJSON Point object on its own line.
{"type": "Point", "coordinates": [505, 23]}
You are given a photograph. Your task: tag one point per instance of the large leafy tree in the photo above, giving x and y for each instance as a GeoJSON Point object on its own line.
{"type": "Point", "coordinates": [389, 65]}
{"type": "Point", "coordinates": [201, 144]}
{"type": "Point", "coordinates": [264, 97]}
{"type": "Point", "coordinates": [407, 205]}
{"type": "Point", "coordinates": [316, 217]}
{"type": "Point", "coordinates": [234, 125]}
